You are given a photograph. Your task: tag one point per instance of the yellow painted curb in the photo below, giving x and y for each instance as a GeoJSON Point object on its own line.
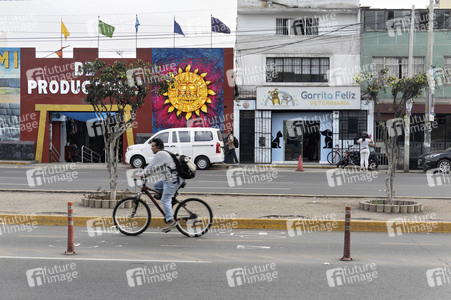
{"type": "Point", "coordinates": [293, 226]}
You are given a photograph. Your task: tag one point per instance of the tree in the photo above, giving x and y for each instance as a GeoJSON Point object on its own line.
{"type": "Point", "coordinates": [402, 90]}
{"type": "Point", "coordinates": [115, 97]}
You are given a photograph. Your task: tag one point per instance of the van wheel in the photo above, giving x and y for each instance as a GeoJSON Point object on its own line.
{"type": "Point", "coordinates": [137, 161]}
{"type": "Point", "coordinates": [202, 163]}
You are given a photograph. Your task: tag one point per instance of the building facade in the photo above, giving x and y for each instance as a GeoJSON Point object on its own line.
{"type": "Point", "coordinates": [385, 44]}
{"type": "Point", "coordinates": [294, 63]}
{"type": "Point", "coordinates": [48, 108]}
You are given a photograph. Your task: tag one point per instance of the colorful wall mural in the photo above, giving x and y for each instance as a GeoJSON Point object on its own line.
{"type": "Point", "coordinates": [9, 94]}
{"type": "Point", "coordinates": [196, 96]}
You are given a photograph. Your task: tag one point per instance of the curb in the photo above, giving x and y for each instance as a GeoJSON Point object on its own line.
{"type": "Point", "coordinates": [232, 194]}
{"type": "Point", "coordinates": [295, 227]}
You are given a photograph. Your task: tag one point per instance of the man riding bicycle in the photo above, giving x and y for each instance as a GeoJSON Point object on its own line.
{"type": "Point", "coordinates": [163, 164]}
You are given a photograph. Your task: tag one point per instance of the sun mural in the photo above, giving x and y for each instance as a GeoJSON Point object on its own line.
{"type": "Point", "coordinates": [189, 93]}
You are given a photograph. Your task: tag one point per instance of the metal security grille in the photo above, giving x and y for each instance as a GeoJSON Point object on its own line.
{"type": "Point", "coordinates": [262, 142]}
{"type": "Point", "coordinates": [247, 136]}
{"type": "Point", "coordinates": [351, 125]}
{"type": "Point", "coordinates": [297, 69]}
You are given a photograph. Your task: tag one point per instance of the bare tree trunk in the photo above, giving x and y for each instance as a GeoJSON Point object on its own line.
{"type": "Point", "coordinates": [392, 155]}
{"type": "Point", "coordinates": [112, 166]}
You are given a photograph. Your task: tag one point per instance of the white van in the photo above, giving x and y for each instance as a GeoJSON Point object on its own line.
{"type": "Point", "coordinates": [203, 145]}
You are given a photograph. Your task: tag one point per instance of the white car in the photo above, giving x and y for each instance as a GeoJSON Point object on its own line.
{"type": "Point", "coordinates": [203, 145]}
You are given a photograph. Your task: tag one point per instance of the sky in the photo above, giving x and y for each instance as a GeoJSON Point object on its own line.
{"type": "Point", "coordinates": [37, 23]}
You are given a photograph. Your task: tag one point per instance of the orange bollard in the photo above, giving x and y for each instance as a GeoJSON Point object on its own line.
{"type": "Point", "coordinates": [300, 168]}
{"type": "Point", "coordinates": [347, 246]}
{"type": "Point", "coordinates": [70, 230]}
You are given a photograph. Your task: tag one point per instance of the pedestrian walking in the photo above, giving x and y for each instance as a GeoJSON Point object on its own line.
{"type": "Point", "coordinates": [231, 147]}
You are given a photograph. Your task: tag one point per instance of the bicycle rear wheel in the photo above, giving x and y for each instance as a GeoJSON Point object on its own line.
{"type": "Point", "coordinates": [194, 217]}
{"type": "Point", "coordinates": [333, 157]}
{"type": "Point", "coordinates": [134, 218]}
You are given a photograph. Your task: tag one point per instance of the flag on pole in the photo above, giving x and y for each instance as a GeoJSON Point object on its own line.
{"type": "Point", "coordinates": [218, 26]}
{"type": "Point", "coordinates": [178, 29]}
{"type": "Point", "coordinates": [105, 29]}
{"type": "Point", "coordinates": [64, 30]}
{"type": "Point", "coordinates": [137, 24]}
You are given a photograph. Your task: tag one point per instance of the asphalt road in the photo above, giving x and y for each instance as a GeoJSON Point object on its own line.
{"type": "Point", "coordinates": [111, 266]}
{"type": "Point", "coordinates": [221, 180]}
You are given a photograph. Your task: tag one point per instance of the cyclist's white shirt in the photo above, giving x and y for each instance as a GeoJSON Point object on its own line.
{"type": "Point", "coordinates": [159, 167]}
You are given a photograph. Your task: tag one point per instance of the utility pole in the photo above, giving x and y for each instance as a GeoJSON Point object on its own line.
{"type": "Point", "coordinates": [427, 108]}
{"type": "Point", "coordinates": [409, 102]}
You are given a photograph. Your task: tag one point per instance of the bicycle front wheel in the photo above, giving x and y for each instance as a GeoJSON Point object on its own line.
{"type": "Point", "coordinates": [194, 217]}
{"type": "Point", "coordinates": [334, 157]}
{"type": "Point", "coordinates": [133, 217]}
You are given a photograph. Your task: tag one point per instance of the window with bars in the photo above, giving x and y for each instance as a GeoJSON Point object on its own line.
{"type": "Point", "coordinates": [377, 19]}
{"type": "Point", "coordinates": [297, 26]}
{"type": "Point", "coordinates": [398, 66]}
{"type": "Point", "coordinates": [298, 69]}
{"type": "Point", "coordinates": [352, 124]}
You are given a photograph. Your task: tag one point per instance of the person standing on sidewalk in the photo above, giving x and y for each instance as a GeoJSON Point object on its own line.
{"type": "Point", "coordinates": [231, 148]}
{"type": "Point", "coordinates": [364, 142]}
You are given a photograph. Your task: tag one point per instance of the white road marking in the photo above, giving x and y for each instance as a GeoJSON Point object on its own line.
{"type": "Point", "coordinates": [236, 188]}
{"type": "Point", "coordinates": [252, 247]}
{"type": "Point", "coordinates": [410, 244]}
{"type": "Point", "coordinates": [106, 259]}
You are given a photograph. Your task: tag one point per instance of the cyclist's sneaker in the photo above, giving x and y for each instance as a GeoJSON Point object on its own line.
{"type": "Point", "coordinates": [169, 225]}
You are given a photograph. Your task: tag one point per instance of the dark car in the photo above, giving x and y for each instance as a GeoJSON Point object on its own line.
{"type": "Point", "coordinates": [436, 159]}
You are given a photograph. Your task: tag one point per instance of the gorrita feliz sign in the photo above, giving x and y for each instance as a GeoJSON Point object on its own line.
{"type": "Point", "coordinates": [328, 98]}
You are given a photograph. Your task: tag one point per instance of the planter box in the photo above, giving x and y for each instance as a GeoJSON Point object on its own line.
{"type": "Point", "coordinates": [395, 209]}
{"type": "Point", "coordinates": [387, 208]}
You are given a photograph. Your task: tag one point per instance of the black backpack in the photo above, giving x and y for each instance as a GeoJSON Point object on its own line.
{"type": "Point", "coordinates": [235, 142]}
{"type": "Point", "coordinates": [183, 165]}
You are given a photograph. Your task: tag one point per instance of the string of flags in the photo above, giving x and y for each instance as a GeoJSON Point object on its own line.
{"type": "Point", "coordinates": [108, 30]}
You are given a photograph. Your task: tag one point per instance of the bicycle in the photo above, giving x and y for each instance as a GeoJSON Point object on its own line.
{"type": "Point", "coordinates": [335, 156]}
{"type": "Point", "coordinates": [194, 216]}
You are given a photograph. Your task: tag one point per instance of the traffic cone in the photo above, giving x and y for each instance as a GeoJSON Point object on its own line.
{"type": "Point", "coordinates": [300, 168]}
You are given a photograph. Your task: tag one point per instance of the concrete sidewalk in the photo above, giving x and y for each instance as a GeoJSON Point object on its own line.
{"type": "Point", "coordinates": [259, 212]}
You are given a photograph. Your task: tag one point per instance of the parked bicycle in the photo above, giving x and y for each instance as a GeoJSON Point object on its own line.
{"type": "Point", "coordinates": [132, 215]}
{"type": "Point", "coordinates": [336, 155]}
